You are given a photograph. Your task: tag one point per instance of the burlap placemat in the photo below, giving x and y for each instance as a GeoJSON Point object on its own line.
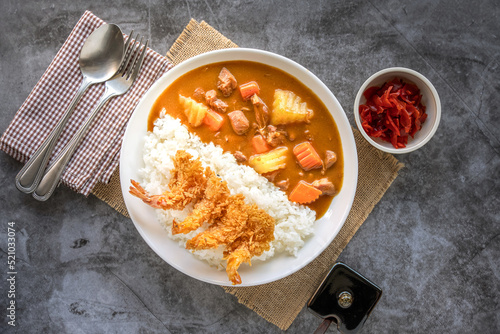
{"type": "Point", "coordinates": [280, 302]}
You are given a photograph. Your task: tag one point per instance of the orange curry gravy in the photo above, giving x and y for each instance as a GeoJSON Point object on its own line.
{"type": "Point", "coordinates": [321, 131]}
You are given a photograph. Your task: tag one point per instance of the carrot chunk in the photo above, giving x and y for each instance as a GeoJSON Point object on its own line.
{"type": "Point", "coordinates": [307, 156]}
{"type": "Point", "coordinates": [304, 193]}
{"type": "Point", "coordinates": [213, 120]}
{"type": "Point", "coordinates": [259, 144]}
{"type": "Point", "coordinates": [247, 90]}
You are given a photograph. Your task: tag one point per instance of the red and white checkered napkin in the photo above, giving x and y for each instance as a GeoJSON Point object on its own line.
{"type": "Point", "coordinates": [98, 154]}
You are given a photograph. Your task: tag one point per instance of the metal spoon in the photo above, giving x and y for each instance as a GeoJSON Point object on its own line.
{"type": "Point", "coordinates": [100, 58]}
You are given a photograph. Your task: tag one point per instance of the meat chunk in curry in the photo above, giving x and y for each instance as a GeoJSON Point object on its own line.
{"type": "Point", "coordinates": [214, 102]}
{"type": "Point", "coordinates": [240, 157]}
{"type": "Point", "coordinates": [330, 158]}
{"type": "Point", "coordinates": [227, 82]}
{"type": "Point", "coordinates": [239, 122]}
{"type": "Point", "coordinates": [283, 184]}
{"type": "Point", "coordinates": [261, 111]}
{"type": "Point", "coordinates": [326, 187]}
{"type": "Point", "coordinates": [273, 136]}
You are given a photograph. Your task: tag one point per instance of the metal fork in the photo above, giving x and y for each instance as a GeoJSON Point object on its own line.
{"type": "Point", "coordinates": [116, 86]}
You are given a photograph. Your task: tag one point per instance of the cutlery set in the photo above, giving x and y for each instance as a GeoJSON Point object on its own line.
{"type": "Point", "coordinates": [104, 58]}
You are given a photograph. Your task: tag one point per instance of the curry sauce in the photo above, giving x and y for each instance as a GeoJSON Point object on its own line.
{"type": "Point", "coordinates": [321, 130]}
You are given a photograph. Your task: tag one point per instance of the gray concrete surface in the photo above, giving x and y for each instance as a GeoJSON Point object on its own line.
{"type": "Point", "coordinates": [432, 243]}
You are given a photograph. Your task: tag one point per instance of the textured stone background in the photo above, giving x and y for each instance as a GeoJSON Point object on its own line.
{"type": "Point", "coordinates": [432, 243]}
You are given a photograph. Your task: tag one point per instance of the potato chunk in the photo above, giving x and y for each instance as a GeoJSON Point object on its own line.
{"type": "Point", "coordinates": [195, 111]}
{"type": "Point", "coordinates": [289, 108]}
{"type": "Point", "coordinates": [269, 161]}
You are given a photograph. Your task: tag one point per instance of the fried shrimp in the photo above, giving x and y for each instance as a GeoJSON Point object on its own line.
{"type": "Point", "coordinates": [254, 240]}
{"type": "Point", "coordinates": [187, 184]}
{"type": "Point", "coordinates": [234, 260]}
{"type": "Point", "coordinates": [209, 208]}
{"type": "Point", "coordinates": [225, 229]}
{"type": "Point", "coordinates": [187, 178]}
{"type": "Point", "coordinates": [165, 201]}
{"type": "Point", "coordinates": [244, 230]}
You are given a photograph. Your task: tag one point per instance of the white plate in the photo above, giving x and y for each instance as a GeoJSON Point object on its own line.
{"type": "Point", "coordinates": [144, 218]}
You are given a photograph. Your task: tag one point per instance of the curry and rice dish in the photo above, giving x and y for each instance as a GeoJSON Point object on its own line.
{"type": "Point", "coordinates": [240, 160]}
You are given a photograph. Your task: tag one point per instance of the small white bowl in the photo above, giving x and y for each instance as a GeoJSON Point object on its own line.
{"type": "Point", "coordinates": [430, 99]}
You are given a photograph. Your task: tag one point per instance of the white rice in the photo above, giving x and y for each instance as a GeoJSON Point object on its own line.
{"type": "Point", "coordinates": [293, 222]}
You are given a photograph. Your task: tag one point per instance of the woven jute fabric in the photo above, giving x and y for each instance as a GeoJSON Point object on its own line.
{"type": "Point", "coordinates": [279, 302]}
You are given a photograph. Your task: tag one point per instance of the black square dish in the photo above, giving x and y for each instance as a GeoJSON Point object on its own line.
{"type": "Point", "coordinates": [345, 297]}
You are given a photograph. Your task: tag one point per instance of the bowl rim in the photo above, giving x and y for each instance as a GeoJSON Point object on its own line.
{"type": "Point", "coordinates": [291, 67]}
{"type": "Point", "coordinates": [434, 94]}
